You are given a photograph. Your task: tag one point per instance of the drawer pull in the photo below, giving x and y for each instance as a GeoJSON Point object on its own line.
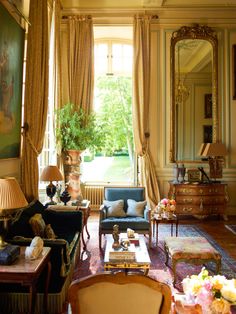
{"type": "Point", "coordinates": [201, 203]}
{"type": "Point", "coordinates": [187, 209]}
{"type": "Point", "coordinates": [201, 191]}
{"type": "Point", "coordinates": [188, 200]}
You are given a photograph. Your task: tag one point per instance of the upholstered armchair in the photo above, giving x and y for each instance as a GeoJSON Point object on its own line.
{"type": "Point", "coordinates": [127, 208]}
{"type": "Point", "coordinates": [117, 293]}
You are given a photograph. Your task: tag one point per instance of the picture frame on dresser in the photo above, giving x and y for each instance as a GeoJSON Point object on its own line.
{"type": "Point", "coordinates": [193, 175]}
{"type": "Point", "coordinates": [12, 37]}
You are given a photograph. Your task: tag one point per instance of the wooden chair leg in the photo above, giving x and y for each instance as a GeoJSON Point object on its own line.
{"type": "Point", "coordinates": [100, 240]}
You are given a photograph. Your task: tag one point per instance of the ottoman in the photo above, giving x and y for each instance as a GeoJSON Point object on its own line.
{"type": "Point", "coordinates": [193, 250]}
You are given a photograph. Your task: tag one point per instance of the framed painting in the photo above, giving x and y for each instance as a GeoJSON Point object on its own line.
{"type": "Point", "coordinates": [11, 77]}
{"type": "Point", "coordinates": [208, 106]}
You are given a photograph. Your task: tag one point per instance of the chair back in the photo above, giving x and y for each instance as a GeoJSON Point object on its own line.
{"type": "Point", "coordinates": [107, 293]}
{"type": "Point", "coordinates": [124, 193]}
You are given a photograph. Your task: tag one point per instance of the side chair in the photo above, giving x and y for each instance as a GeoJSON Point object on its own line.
{"type": "Point", "coordinates": [116, 293]}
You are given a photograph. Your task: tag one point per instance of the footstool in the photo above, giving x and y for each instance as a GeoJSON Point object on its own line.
{"type": "Point", "coordinates": [193, 250]}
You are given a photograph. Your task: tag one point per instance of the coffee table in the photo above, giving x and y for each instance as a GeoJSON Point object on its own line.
{"type": "Point", "coordinates": [142, 260]}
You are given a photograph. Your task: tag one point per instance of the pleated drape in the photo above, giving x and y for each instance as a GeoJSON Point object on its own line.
{"type": "Point", "coordinates": [141, 103]}
{"type": "Point", "coordinates": [80, 61]}
{"type": "Point", "coordinates": [36, 96]}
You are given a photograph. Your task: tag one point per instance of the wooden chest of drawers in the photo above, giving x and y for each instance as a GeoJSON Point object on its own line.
{"type": "Point", "coordinates": [200, 199]}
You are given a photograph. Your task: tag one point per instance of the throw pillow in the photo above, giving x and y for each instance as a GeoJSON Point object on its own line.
{"type": "Point", "coordinates": [38, 225]}
{"type": "Point", "coordinates": [49, 232]}
{"type": "Point", "coordinates": [115, 208]}
{"type": "Point", "coordinates": [135, 208]}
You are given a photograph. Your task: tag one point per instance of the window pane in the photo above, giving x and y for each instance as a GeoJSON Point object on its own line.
{"type": "Point", "coordinates": [101, 59]}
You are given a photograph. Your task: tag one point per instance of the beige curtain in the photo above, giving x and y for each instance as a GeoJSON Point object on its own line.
{"type": "Point", "coordinates": [141, 102]}
{"type": "Point", "coordinates": [36, 96]}
{"type": "Point", "coordinates": [80, 61]}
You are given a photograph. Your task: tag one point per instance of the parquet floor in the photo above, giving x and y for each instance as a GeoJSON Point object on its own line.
{"type": "Point", "coordinates": [214, 226]}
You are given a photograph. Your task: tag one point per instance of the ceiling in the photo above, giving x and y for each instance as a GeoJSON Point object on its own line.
{"type": "Point", "coordinates": [23, 5]}
{"type": "Point", "coordinates": [143, 3]}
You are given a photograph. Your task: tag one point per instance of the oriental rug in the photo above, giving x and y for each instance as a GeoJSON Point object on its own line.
{"type": "Point", "coordinates": [92, 259]}
{"type": "Point", "coordinates": [232, 228]}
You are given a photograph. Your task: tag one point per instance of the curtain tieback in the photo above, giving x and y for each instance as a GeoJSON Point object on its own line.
{"type": "Point", "coordinates": [28, 138]}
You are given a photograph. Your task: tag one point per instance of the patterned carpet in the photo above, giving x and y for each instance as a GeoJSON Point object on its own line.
{"type": "Point", "coordinates": [92, 259]}
{"type": "Point", "coordinates": [232, 228]}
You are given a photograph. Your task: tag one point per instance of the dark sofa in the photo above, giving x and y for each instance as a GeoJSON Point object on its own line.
{"type": "Point", "coordinates": [65, 250]}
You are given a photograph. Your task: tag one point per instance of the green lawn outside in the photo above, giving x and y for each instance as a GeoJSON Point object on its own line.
{"type": "Point", "coordinates": [107, 169]}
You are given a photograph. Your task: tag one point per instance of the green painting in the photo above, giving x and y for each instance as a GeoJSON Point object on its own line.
{"type": "Point", "coordinates": [11, 77]}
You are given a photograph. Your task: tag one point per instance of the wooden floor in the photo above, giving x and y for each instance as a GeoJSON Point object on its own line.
{"type": "Point", "coordinates": [214, 226]}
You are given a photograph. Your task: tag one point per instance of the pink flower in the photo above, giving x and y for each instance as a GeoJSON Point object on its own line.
{"type": "Point", "coordinates": [165, 201]}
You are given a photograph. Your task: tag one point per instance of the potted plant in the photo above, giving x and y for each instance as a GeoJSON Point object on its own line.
{"type": "Point", "coordinates": [76, 131]}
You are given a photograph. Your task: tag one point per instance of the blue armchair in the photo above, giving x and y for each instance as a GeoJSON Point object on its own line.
{"type": "Point", "coordinates": [126, 207]}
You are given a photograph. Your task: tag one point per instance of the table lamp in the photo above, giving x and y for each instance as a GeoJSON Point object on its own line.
{"type": "Point", "coordinates": [11, 199]}
{"type": "Point", "coordinates": [51, 173]}
{"type": "Point", "coordinates": [215, 153]}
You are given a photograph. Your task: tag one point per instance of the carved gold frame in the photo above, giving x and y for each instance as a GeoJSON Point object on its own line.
{"type": "Point", "coordinates": [193, 32]}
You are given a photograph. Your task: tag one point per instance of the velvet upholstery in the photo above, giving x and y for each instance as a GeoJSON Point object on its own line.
{"type": "Point", "coordinates": [139, 224]}
{"type": "Point", "coordinates": [67, 225]}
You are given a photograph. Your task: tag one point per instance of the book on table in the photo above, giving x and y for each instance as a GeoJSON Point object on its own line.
{"type": "Point", "coordinates": [121, 255]}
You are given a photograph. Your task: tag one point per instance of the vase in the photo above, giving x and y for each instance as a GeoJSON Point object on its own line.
{"type": "Point", "coordinates": [65, 197]}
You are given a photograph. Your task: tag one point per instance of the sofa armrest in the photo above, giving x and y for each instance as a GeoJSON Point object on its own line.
{"type": "Point", "coordinates": [59, 253]}
{"type": "Point", "coordinates": [147, 213]}
{"type": "Point", "coordinates": [102, 212]}
{"type": "Point", "coordinates": [64, 221]}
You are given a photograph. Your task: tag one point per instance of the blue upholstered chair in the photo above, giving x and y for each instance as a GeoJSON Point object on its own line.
{"type": "Point", "coordinates": [126, 207]}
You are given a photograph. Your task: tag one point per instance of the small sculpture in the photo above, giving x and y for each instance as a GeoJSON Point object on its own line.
{"type": "Point", "coordinates": [116, 237]}
{"type": "Point", "coordinates": [130, 233]}
{"type": "Point", "coordinates": [125, 245]}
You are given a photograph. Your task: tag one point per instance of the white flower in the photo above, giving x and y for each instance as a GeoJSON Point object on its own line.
{"type": "Point", "coordinates": [229, 291]}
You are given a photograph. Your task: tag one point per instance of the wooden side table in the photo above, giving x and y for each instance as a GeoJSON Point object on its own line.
{"type": "Point", "coordinates": [26, 272]}
{"type": "Point", "coordinates": [162, 220]}
{"type": "Point", "coordinates": [85, 208]}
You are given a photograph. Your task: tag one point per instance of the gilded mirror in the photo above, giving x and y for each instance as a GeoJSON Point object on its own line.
{"type": "Point", "coordinates": [194, 92]}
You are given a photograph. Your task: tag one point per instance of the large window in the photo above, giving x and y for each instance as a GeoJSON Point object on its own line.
{"type": "Point", "coordinates": [115, 163]}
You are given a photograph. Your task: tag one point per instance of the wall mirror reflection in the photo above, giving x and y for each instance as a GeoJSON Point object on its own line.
{"type": "Point", "coordinates": [194, 100]}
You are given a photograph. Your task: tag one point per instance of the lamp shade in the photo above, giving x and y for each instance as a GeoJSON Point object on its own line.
{"type": "Point", "coordinates": [51, 173]}
{"type": "Point", "coordinates": [214, 149]}
{"type": "Point", "coordinates": [11, 195]}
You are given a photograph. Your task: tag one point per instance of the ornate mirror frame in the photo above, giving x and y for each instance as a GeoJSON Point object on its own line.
{"type": "Point", "coordinates": [193, 32]}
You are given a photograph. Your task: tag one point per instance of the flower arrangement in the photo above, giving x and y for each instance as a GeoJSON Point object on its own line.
{"type": "Point", "coordinates": [165, 206]}
{"type": "Point", "coordinates": [215, 294]}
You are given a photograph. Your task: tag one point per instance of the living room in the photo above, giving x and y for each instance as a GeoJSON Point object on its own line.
{"type": "Point", "coordinates": [172, 135]}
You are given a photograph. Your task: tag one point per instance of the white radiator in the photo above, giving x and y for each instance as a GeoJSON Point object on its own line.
{"type": "Point", "coordinates": [94, 193]}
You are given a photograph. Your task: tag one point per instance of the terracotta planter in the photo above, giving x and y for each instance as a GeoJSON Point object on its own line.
{"type": "Point", "coordinates": [71, 163]}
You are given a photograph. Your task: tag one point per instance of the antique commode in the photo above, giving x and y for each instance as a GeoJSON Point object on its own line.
{"type": "Point", "coordinates": [200, 199]}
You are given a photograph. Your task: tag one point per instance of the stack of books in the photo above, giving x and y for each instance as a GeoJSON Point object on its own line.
{"type": "Point", "coordinates": [120, 256]}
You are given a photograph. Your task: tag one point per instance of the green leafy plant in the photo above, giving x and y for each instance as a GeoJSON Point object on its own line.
{"type": "Point", "coordinates": [77, 130]}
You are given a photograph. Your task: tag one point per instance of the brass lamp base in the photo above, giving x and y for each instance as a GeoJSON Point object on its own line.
{"type": "Point", "coordinates": [3, 244]}
{"type": "Point", "coordinates": [3, 231]}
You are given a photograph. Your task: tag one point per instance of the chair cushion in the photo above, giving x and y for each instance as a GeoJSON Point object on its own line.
{"type": "Point", "coordinates": [124, 193]}
{"type": "Point", "coordinates": [135, 208]}
{"type": "Point", "coordinates": [135, 223]}
{"type": "Point", "coordinates": [115, 208]}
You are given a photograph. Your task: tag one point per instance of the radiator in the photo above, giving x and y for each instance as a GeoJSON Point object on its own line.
{"type": "Point", "coordinates": [95, 194]}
